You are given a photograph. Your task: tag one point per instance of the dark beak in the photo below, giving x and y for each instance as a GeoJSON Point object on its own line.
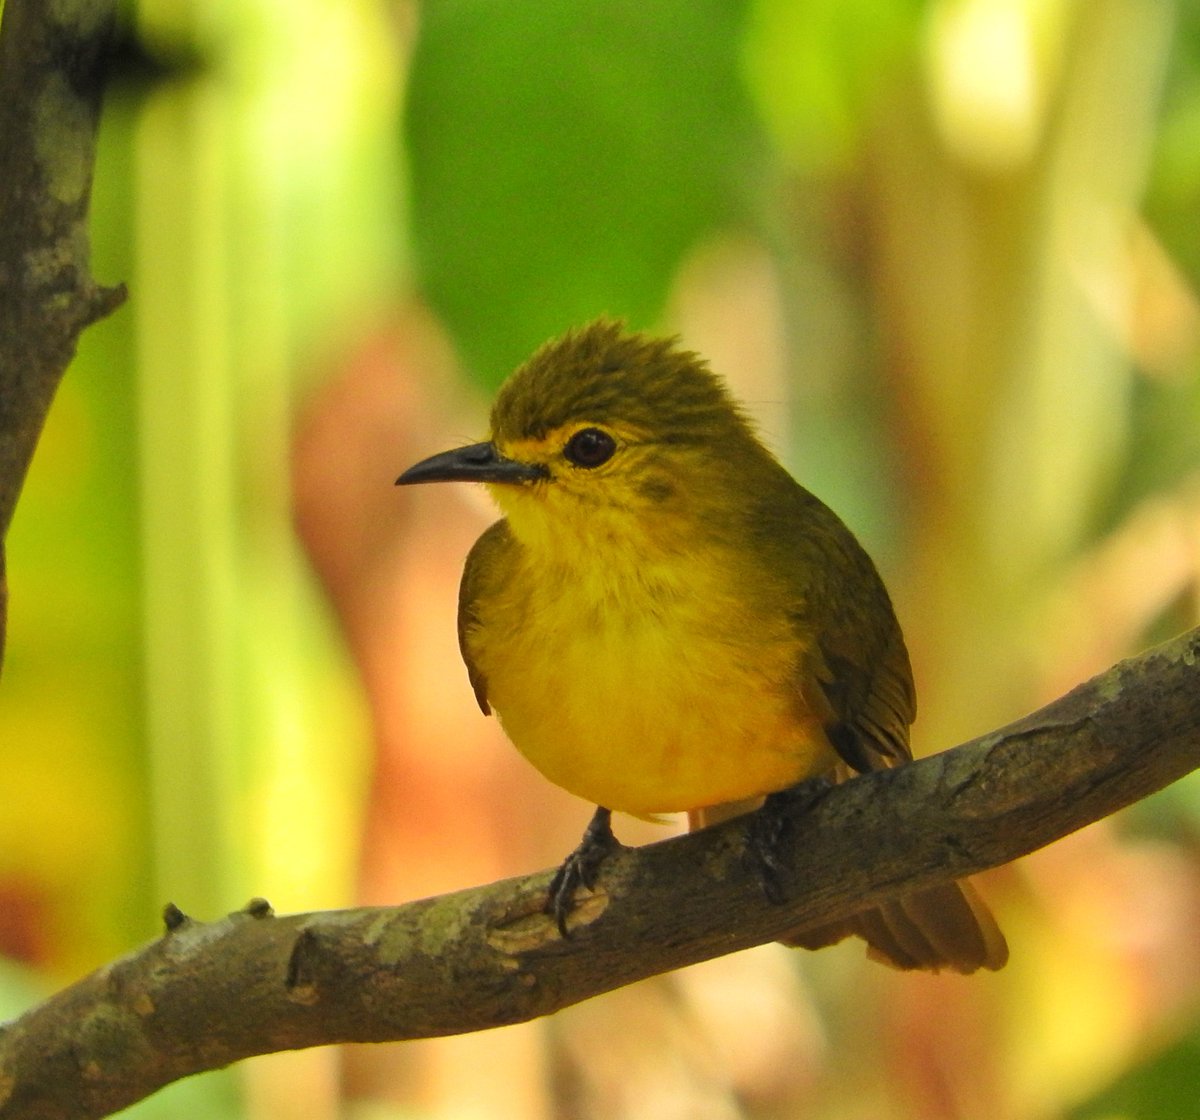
{"type": "Point", "coordinates": [480, 462]}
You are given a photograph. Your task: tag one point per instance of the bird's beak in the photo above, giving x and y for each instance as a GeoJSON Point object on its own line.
{"type": "Point", "coordinates": [480, 462]}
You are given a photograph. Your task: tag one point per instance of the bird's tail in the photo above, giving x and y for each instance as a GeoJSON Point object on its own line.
{"type": "Point", "coordinates": [943, 927]}
{"type": "Point", "coordinates": [947, 926]}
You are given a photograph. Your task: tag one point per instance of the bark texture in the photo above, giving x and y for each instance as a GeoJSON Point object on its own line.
{"type": "Point", "coordinates": [52, 62]}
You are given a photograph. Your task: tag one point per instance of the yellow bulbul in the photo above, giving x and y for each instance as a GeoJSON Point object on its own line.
{"type": "Point", "coordinates": [664, 620]}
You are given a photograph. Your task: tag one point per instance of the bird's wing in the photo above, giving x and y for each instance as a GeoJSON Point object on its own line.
{"type": "Point", "coordinates": [870, 693]}
{"type": "Point", "coordinates": [484, 562]}
{"type": "Point", "coordinates": [855, 672]}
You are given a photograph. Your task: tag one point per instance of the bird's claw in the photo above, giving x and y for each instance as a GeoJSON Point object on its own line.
{"type": "Point", "coordinates": [771, 828]}
{"type": "Point", "coordinates": [580, 868]}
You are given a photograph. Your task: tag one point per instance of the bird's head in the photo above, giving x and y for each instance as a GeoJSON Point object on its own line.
{"type": "Point", "coordinates": [602, 433]}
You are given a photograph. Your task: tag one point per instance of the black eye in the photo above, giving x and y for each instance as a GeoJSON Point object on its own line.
{"type": "Point", "coordinates": [589, 447]}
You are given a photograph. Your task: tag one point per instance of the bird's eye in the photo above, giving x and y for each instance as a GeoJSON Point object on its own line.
{"type": "Point", "coordinates": [589, 447]}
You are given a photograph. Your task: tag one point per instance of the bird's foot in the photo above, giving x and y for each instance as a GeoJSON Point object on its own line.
{"type": "Point", "coordinates": [580, 868]}
{"type": "Point", "coordinates": [771, 829]}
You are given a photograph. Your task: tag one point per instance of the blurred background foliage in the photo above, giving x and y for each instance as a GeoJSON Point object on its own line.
{"type": "Point", "coordinates": [947, 250]}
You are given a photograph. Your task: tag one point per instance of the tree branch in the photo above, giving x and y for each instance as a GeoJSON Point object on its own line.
{"type": "Point", "coordinates": [51, 78]}
{"type": "Point", "coordinates": [207, 994]}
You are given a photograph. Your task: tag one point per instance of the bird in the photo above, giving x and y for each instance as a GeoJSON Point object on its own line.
{"type": "Point", "coordinates": [665, 621]}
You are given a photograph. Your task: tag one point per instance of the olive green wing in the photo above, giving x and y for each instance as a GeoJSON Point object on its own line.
{"type": "Point", "coordinates": [485, 560]}
{"type": "Point", "coordinates": [855, 671]}
{"type": "Point", "coordinates": [871, 700]}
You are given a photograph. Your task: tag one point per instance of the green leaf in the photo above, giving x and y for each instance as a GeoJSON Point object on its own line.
{"type": "Point", "coordinates": [564, 156]}
{"type": "Point", "coordinates": [1162, 1088]}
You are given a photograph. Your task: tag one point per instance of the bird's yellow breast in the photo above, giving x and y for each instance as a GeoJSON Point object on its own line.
{"type": "Point", "coordinates": [645, 690]}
